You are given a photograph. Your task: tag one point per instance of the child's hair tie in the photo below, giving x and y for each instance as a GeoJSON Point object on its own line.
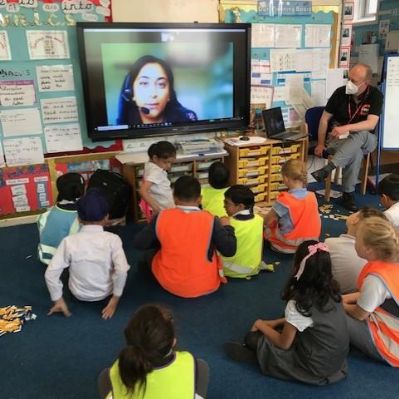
{"type": "Point", "coordinates": [312, 250]}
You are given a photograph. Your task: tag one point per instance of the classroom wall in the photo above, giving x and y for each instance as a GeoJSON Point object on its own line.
{"type": "Point", "coordinates": [165, 11]}
{"type": "Point", "coordinates": [388, 10]}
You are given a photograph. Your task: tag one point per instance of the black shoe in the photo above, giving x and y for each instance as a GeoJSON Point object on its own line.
{"type": "Point", "coordinates": [239, 352]}
{"type": "Point", "coordinates": [320, 175]}
{"type": "Point", "coordinates": [348, 202]}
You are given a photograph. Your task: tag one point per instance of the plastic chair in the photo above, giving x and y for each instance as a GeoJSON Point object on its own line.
{"type": "Point", "coordinates": [312, 120]}
{"type": "Point", "coordinates": [363, 179]}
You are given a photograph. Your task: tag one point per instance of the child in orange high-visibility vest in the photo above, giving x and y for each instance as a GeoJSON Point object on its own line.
{"type": "Point", "coordinates": [373, 311]}
{"type": "Point", "coordinates": [294, 217]}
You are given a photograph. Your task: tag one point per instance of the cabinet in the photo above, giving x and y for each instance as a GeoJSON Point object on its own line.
{"type": "Point", "coordinates": [259, 165]}
{"type": "Point", "coordinates": [195, 165]}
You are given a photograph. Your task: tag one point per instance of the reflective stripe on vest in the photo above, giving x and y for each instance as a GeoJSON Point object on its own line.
{"type": "Point", "coordinates": [248, 258]}
{"type": "Point", "coordinates": [304, 214]}
{"type": "Point", "coordinates": [383, 326]}
{"type": "Point", "coordinates": [213, 201]}
{"type": "Point", "coordinates": [176, 380]}
{"type": "Point", "coordinates": [181, 266]}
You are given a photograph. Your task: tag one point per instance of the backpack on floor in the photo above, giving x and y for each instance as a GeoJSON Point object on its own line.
{"type": "Point", "coordinates": [116, 189]}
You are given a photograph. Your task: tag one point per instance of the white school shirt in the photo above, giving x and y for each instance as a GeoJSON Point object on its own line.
{"type": "Point", "coordinates": [298, 320]}
{"type": "Point", "coordinates": [373, 293]}
{"type": "Point", "coordinates": [160, 189]}
{"type": "Point", "coordinates": [97, 265]}
{"type": "Point", "coordinates": [392, 214]}
{"type": "Point", "coordinates": [345, 262]}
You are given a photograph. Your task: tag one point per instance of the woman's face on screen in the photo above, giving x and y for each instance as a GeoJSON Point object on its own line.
{"type": "Point", "coordinates": [151, 92]}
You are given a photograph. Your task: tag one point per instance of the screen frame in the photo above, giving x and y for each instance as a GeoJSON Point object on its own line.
{"type": "Point", "coordinates": [188, 128]}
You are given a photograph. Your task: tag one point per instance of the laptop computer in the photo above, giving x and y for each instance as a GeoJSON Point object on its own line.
{"type": "Point", "coordinates": [275, 128]}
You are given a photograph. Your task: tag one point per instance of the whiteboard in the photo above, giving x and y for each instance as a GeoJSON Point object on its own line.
{"type": "Point", "coordinates": [390, 125]}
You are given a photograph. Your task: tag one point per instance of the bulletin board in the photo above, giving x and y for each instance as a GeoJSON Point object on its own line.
{"type": "Point", "coordinates": [293, 45]}
{"type": "Point", "coordinates": [41, 96]}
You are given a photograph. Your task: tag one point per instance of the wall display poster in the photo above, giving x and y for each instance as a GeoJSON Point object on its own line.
{"type": "Point", "coordinates": [346, 36]}
{"type": "Point", "coordinates": [349, 10]}
{"type": "Point", "coordinates": [41, 93]}
{"type": "Point", "coordinates": [24, 188]}
{"type": "Point", "coordinates": [344, 55]}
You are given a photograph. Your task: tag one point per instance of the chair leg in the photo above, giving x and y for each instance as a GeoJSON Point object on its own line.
{"type": "Point", "coordinates": [363, 185]}
{"type": "Point", "coordinates": [336, 174]}
{"type": "Point", "coordinates": [327, 190]}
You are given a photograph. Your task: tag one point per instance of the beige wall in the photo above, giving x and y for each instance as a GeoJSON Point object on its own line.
{"type": "Point", "coordinates": [165, 10]}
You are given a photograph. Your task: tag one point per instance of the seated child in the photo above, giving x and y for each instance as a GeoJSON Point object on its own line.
{"type": "Point", "coordinates": [346, 264]}
{"type": "Point", "coordinates": [311, 342]}
{"type": "Point", "coordinates": [294, 217]}
{"type": "Point", "coordinates": [248, 228]}
{"type": "Point", "coordinates": [187, 263]}
{"type": "Point", "coordinates": [150, 366]}
{"type": "Point", "coordinates": [213, 196]}
{"type": "Point", "coordinates": [97, 264]}
{"type": "Point", "coordinates": [62, 219]}
{"type": "Point", "coordinates": [373, 311]}
{"type": "Point", "coordinates": [155, 190]}
{"type": "Point", "coordinates": [388, 189]}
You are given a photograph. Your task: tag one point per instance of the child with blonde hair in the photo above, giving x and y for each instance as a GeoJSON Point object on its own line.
{"type": "Point", "coordinates": [155, 191]}
{"type": "Point", "coordinates": [346, 264]}
{"type": "Point", "coordinates": [373, 311]}
{"type": "Point", "coordinates": [294, 217]}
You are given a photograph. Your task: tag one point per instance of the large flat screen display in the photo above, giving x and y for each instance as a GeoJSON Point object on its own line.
{"type": "Point", "coordinates": [159, 79]}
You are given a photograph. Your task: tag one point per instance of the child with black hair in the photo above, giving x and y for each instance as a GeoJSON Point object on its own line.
{"type": "Point", "coordinates": [62, 219]}
{"type": "Point", "coordinates": [213, 196]}
{"type": "Point", "coordinates": [311, 342]}
{"type": "Point", "coordinates": [150, 366]}
{"type": "Point", "coordinates": [95, 258]}
{"type": "Point", "coordinates": [155, 190]}
{"type": "Point", "coordinates": [187, 240]}
{"type": "Point", "coordinates": [388, 189]}
{"type": "Point", "coordinates": [248, 228]}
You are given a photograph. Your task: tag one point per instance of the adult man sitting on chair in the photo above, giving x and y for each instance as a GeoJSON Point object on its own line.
{"type": "Point", "coordinates": [354, 111]}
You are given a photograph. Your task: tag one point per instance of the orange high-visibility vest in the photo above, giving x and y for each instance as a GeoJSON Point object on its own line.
{"type": "Point", "coordinates": [383, 326]}
{"type": "Point", "coordinates": [181, 266]}
{"type": "Point", "coordinates": [304, 214]}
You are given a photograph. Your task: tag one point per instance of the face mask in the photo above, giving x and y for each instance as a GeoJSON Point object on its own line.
{"type": "Point", "coordinates": [351, 88]}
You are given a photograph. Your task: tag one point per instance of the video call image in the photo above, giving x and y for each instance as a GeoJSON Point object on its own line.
{"type": "Point", "coordinates": [167, 83]}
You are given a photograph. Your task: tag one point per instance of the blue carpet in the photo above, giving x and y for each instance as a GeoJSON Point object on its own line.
{"type": "Point", "coordinates": [57, 357]}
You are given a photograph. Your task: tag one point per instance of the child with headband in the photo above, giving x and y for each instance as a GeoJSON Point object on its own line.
{"type": "Point", "coordinates": [373, 311]}
{"type": "Point", "coordinates": [311, 342]}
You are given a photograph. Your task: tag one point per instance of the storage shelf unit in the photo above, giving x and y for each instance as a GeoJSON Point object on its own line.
{"type": "Point", "coordinates": [259, 165]}
{"type": "Point", "coordinates": [196, 165]}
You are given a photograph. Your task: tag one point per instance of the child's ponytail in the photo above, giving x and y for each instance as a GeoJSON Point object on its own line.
{"type": "Point", "coordinates": [133, 367]}
{"type": "Point", "coordinates": [150, 338]}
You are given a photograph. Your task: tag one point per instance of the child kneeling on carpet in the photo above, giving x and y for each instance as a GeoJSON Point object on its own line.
{"type": "Point", "coordinates": [62, 219]}
{"type": "Point", "coordinates": [96, 260]}
{"type": "Point", "coordinates": [311, 342]}
{"type": "Point", "coordinates": [248, 228]}
{"type": "Point", "coordinates": [186, 238]}
{"type": "Point", "coordinates": [294, 217]}
{"type": "Point", "coordinates": [150, 366]}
